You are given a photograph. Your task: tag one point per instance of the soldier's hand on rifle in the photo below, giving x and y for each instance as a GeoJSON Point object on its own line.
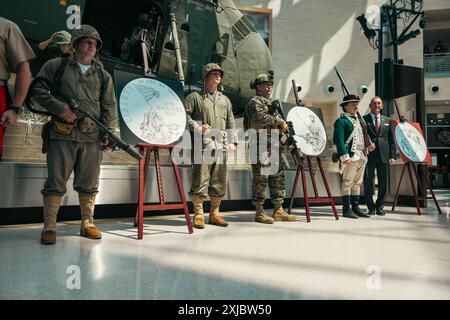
{"type": "Point", "coordinates": [105, 144]}
{"type": "Point", "coordinates": [371, 147]}
{"type": "Point", "coordinates": [284, 126]}
{"type": "Point", "coordinates": [67, 114]}
{"type": "Point", "coordinates": [232, 147]}
{"type": "Point", "coordinates": [204, 128]}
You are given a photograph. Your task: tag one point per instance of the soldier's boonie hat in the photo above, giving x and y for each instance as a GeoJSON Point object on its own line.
{"type": "Point", "coordinates": [349, 98]}
{"type": "Point", "coordinates": [60, 37]}
{"type": "Point", "coordinates": [86, 31]}
{"type": "Point", "coordinates": [260, 79]}
{"type": "Point", "coordinates": [207, 68]}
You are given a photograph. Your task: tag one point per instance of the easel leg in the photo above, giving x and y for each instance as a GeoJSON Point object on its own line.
{"type": "Point", "coordinates": [159, 177]}
{"type": "Point", "coordinates": [294, 189]}
{"type": "Point", "coordinates": [428, 183]}
{"type": "Point", "coordinates": [144, 178]}
{"type": "Point", "coordinates": [409, 164]}
{"type": "Point", "coordinates": [398, 187]}
{"type": "Point", "coordinates": [183, 198]}
{"type": "Point", "coordinates": [140, 217]}
{"type": "Point", "coordinates": [327, 187]}
{"type": "Point", "coordinates": [305, 194]}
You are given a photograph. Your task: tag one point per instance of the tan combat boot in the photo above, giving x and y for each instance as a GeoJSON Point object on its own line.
{"type": "Point", "coordinates": [280, 215]}
{"type": "Point", "coordinates": [261, 216]}
{"type": "Point", "coordinates": [199, 220]}
{"type": "Point", "coordinates": [214, 216]}
{"type": "Point", "coordinates": [51, 207]}
{"type": "Point", "coordinates": [87, 205]}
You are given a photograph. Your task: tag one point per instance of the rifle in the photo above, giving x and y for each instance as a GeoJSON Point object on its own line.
{"type": "Point", "coordinates": [367, 140]}
{"type": "Point", "coordinates": [115, 142]}
{"type": "Point", "coordinates": [287, 138]}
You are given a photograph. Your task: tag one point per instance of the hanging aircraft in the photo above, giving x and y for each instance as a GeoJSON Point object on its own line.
{"type": "Point", "coordinates": [206, 31]}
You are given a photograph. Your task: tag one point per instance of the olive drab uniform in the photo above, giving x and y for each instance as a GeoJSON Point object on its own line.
{"type": "Point", "coordinates": [14, 49]}
{"type": "Point", "coordinates": [258, 116]}
{"type": "Point", "coordinates": [216, 111]}
{"type": "Point", "coordinates": [77, 146]}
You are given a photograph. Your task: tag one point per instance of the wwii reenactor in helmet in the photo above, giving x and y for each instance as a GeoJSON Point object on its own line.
{"type": "Point", "coordinates": [15, 54]}
{"type": "Point", "coordinates": [75, 144]}
{"type": "Point", "coordinates": [259, 116]}
{"type": "Point", "coordinates": [211, 111]}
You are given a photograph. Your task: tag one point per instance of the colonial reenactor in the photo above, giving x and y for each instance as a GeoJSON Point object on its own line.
{"type": "Point", "coordinates": [15, 54]}
{"type": "Point", "coordinates": [349, 140]}
{"type": "Point", "coordinates": [258, 115]}
{"type": "Point", "coordinates": [75, 143]}
{"type": "Point", "coordinates": [206, 112]}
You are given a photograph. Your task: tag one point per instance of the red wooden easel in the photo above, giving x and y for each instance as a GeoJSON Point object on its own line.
{"type": "Point", "coordinates": [412, 168]}
{"type": "Point", "coordinates": [143, 170]}
{"type": "Point", "coordinates": [312, 172]}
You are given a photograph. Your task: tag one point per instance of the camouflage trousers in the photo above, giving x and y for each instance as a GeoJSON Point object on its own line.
{"type": "Point", "coordinates": [259, 186]}
{"type": "Point", "coordinates": [65, 156]}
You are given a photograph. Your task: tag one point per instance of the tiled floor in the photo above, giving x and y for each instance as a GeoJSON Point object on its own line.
{"type": "Point", "coordinates": [397, 256]}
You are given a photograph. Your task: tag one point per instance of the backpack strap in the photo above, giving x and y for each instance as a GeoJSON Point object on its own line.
{"type": "Point", "coordinates": [60, 72]}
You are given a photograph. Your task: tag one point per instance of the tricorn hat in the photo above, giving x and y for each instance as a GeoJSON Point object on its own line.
{"type": "Point", "coordinates": [349, 98]}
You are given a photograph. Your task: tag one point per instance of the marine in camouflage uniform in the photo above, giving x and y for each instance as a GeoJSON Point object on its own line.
{"type": "Point", "coordinates": [258, 116]}
{"type": "Point", "coordinates": [74, 143]}
{"type": "Point", "coordinates": [208, 112]}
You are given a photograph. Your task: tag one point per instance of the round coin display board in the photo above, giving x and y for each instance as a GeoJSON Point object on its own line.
{"type": "Point", "coordinates": [310, 133]}
{"type": "Point", "coordinates": [152, 111]}
{"type": "Point", "coordinates": [411, 143]}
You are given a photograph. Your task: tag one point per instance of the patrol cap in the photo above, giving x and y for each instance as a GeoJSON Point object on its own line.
{"type": "Point", "coordinates": [349, 98]}
{"type": "Point", "coordinates": [60, 37]}
{"type": "Point", "coordinates": [207, 68]}
{"type": "Point", "coordinates": [86, 31]}
{"type": "Point", "coordinates": [260, 79]}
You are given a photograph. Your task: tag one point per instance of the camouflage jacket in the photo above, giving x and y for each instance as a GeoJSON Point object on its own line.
{"type": "Point", "coordinates": [86, 89]}
{"type": "Point", "coordinates": [258, 116]}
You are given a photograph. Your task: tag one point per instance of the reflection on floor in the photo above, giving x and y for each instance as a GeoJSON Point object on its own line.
{"type": "Point", "coordinates": [396, 256]}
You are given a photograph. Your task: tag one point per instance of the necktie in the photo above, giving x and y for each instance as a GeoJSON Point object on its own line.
{"type": "Point", "coordinates": [377, 123]}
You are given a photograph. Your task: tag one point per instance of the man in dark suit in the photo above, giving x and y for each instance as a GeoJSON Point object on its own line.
{"type": "Point", "coordinates": [385, 153]}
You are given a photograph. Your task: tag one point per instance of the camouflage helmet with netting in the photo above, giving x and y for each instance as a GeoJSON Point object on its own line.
{"type": "Point", "coordinates": [207, 68]}
{"type": "Point", "coordinates": [85, 31]}
{"type": "Point", "coordinates": [260, 79]}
